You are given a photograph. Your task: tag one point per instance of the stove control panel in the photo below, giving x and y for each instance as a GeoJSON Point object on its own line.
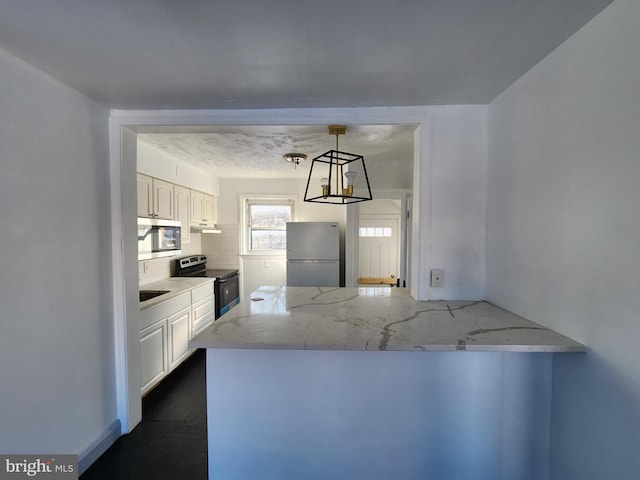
{"type": "Point", "coordinates": [189, 264]}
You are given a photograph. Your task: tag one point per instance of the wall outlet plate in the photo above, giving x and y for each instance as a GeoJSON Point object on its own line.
{"type": "Point", "coordinates": [437, 278]}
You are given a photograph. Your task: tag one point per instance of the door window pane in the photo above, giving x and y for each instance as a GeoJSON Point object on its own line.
{"type": "Point", "coordinates": [374, 232]}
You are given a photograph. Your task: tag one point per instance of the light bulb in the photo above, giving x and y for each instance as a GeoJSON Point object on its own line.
{"type": "Point", "coordinates": [350, 177]}
{"type": "Point", "coordinates": [324, 183]}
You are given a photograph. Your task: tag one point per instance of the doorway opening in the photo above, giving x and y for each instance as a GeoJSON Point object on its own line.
{"type": "Point", "coordinates": [380, 237]}
{"type": "Point", "coordinates": [126, 125]}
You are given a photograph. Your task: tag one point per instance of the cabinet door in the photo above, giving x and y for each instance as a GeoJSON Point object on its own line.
{"type": "Point", "coordinates": [183, 211]}
{"type": "Point", "coordinates": [163, 199]}
{"type": "Point", "coordinates": [145, 196]}
{"type": "Point", "coordinates": [153, 350]}
{"type": "Point", "coordinates": [179, 335]}
{"type": "Point", "coordinates": [197, 206]}
{"type": "Point", "coordinates": [209, 209]}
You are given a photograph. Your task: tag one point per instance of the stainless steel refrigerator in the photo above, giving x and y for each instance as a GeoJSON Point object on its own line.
{"type": "Point", "coordinates": [313, 254]}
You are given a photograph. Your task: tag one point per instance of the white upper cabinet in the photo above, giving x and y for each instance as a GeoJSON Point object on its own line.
{"type": "Point", "coordinates": [183, 210]}
{"type": "Point", "coordinates": [163, 199]}
{"type": "Point", "coordinates": [155, 198]}
{"type": "Point", "coordinates": [145, 196]}
{"type": "Point", "coordinates": [203, 208]}
{"type": "Point", "coordinates": [210, 210]}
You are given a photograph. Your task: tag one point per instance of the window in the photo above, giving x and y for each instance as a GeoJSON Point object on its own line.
{"type": "Point", "coordinates": [267, 224]}
{"type": "Point", "coordinates": [374, 232]}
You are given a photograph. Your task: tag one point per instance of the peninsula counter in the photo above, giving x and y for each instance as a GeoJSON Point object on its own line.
{"type": "Point", "coordinates": [327, 383]}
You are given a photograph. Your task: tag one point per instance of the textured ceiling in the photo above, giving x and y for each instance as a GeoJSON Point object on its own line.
{"type": "Point", "coordinates": [256, 152]}
{"type": "Point", "coordinates": [288, 53]}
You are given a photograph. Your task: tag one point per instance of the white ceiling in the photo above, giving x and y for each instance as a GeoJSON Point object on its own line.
{"type": "Point", "coordinates": [224, 54]}
{"type": "Point", "coordinates": [288, 53]}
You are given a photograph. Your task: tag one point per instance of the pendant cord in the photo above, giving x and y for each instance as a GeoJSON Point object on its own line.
{"type": "Point", "coordinates": [337, 167]}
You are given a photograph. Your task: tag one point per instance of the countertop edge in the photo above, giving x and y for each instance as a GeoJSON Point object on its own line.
{"type": "Point", "coordinates": [416, 348]}
{"type": "Point", "coordinates": [176, 286]}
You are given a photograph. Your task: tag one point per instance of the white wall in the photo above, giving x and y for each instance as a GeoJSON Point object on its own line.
{"type": "Point", "coordinates": [56, 347]}
{"type": "Point", "coordinates": [564, 233]}
{"type": "Point", "coordinates": [381, 207]}
{"type": "Point", "coordinates": [457, 179]}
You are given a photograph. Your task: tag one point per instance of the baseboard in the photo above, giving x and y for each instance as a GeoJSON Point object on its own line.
{"type": "Point", "coordinates": [100, 445]}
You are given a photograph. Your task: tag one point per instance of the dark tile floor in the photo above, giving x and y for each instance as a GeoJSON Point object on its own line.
{"type": "Point", "coordinates": [171, 441]}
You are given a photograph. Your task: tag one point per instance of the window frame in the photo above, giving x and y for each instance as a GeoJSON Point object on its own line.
{"type": "Point", "coordinates": [250, 200]}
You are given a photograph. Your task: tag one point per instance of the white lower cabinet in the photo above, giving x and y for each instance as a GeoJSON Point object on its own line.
{"type": "Point", "coordinates": [165, 331]}
{"type": "Point", "coordinates": [179, 334]}
{"type": "Point", "coordinates": [203, 307]}
{"type": "Point", "coordinates": [154, 362]}
{"type": "Point", "coordinates": [164, 339]}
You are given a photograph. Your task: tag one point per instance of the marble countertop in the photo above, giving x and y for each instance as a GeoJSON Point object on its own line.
{"type": "Point", "coordinates": [376, 318]}
{"type": "Point", "coordinates": [175, 287]}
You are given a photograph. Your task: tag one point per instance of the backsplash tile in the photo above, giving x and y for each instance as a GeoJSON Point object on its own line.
{"type": "Point", "coordinates": [223, 249]}
{"type": "Point", "coordinates": [160, 268]}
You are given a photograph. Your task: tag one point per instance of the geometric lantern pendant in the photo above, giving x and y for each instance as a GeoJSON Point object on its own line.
{"type": "Point", "coordinates": [338, 177]}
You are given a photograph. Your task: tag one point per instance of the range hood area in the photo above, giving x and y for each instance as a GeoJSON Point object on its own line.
{"type": "Point", "coordinates": [205, 228]}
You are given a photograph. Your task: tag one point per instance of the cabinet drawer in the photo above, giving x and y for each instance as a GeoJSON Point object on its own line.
{"type": "Point", "coordinates": [202, 309]}
{"type": "Point", "coordinates": [150, 315]}
{"type": "Point", "coordinates": [201, 292]}
{"type": "Point", "coordinates": [203, 313]}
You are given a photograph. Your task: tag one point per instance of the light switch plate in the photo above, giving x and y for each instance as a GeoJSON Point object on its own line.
{"type": "Point", "coordinates": [437, 278]}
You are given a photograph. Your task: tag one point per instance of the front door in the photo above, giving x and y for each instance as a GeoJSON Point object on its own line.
{"type": "Point", "coordinates": [379, 249]}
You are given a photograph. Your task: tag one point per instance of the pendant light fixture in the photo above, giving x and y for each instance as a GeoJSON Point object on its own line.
{"type": "Point", "coordinates": [337, 177]}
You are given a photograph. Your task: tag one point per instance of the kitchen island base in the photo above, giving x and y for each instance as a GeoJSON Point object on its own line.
{"type": "Point", "coordinates": [296, 414]}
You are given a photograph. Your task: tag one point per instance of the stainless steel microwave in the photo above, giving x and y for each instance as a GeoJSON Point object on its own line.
{"type": "Point", "coordinates": [158, 238]}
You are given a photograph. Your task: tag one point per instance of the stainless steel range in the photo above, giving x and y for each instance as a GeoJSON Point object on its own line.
{"type": "Point", "coordinates": [227, 284]}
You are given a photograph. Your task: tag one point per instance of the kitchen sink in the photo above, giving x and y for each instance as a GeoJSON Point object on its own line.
{"type": "Point", "coordinates": [149, 294]}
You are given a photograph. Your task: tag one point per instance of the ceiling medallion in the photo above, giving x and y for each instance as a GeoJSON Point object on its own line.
{"type": "Point", "coordinates": [336, 172]}
{"type": "Point", "coordinates": [294, 158]}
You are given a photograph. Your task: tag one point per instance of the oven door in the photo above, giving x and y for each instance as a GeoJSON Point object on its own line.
{"type": "Point", "coordinates": [227, 295]}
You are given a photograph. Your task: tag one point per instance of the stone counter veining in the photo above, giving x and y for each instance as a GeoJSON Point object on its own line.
{"type": "Point", "coordinates": [374, 319]}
